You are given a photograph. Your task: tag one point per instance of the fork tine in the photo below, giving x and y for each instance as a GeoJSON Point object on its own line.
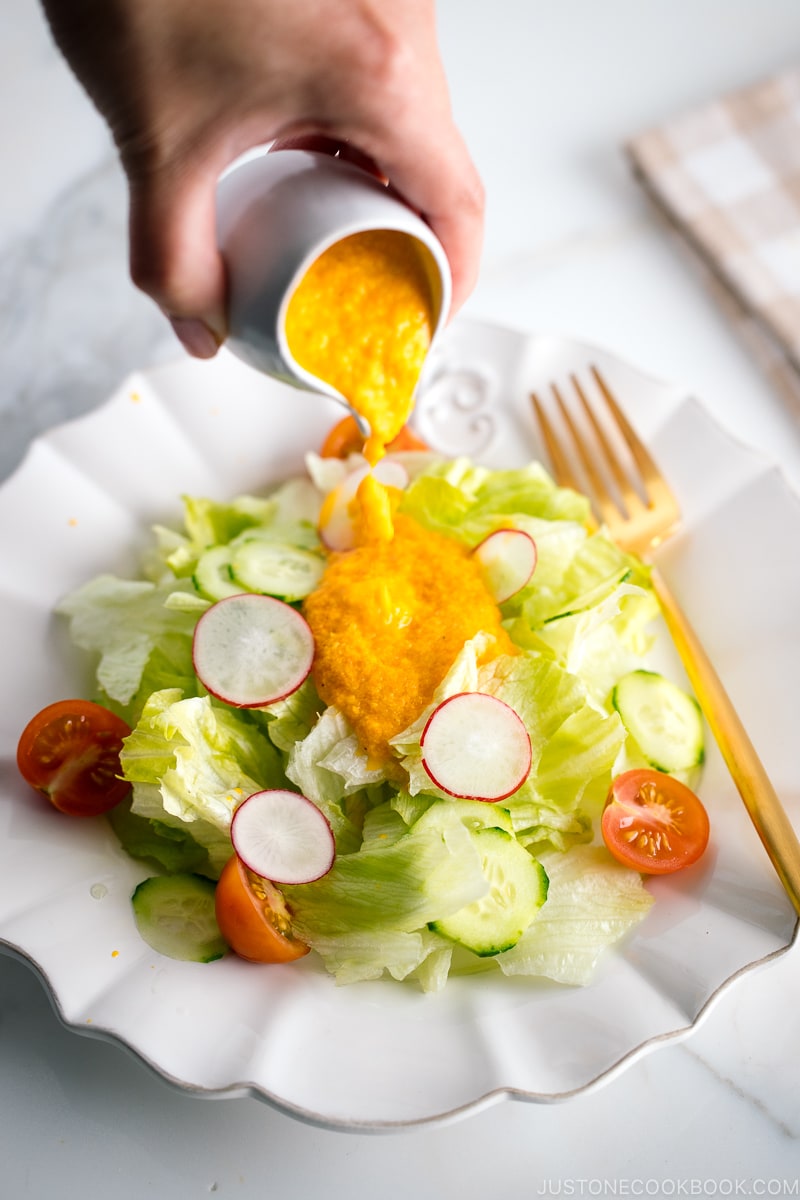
{"type": "Point", "coordinates": [599, 494]}
{"type": "Point", "coordinates": [655, 486]}
{"type": "Point", "coordinates": [559, 461]}
{"type": "Point", "coordinates": [630, 497]}
{"type": "Point", "coordinates": [639, 507]}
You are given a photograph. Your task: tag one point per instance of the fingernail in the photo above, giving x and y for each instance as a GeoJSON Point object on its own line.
{"type": "Point", "coordinates": [195, 336]}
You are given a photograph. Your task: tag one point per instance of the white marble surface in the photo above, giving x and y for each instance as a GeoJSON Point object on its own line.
{"type": "Point", "coordinates": [546, 92]}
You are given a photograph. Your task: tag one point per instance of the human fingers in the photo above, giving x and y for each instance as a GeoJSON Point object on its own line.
{"type": "Point", "coordinates": [452, 201]}
{"type": "Point", "coordinates": [325, 144]}
{"type": "Point", "coordinates": [400, 116]}
{"type": "Point", "coordinates": [172, 231]}
{"type": "Point", "coordinates": [173, 250]}
{"type": "Point", "coordinates": [439, 179]}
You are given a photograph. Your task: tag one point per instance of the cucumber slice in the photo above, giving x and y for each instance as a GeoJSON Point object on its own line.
{"type": "Point", "coordinates": [275, 569]}
{"type": "Point", "coordinates": [475, 814]}
{"type": "Point", "coordinates": [665, 722]}
{"type": "Point", "coordinates": [175, 916]}
{"type": "Point", "coordinates": [517, 890]}
{"type": "Point", "coordinates": [212, 575]}
{"type": "Point", "coordinates": [592, 598]}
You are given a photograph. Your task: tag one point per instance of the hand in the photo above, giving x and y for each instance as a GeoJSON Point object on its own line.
{"type": "Point", "coordinates": [188, 85]}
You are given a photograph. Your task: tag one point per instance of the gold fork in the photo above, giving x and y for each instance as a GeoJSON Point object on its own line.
{"type": "Point", "coordinates": [633, 500]}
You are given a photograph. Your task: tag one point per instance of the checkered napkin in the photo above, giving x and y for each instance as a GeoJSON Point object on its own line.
{"type": "Point", "coordinates": [728, 176]}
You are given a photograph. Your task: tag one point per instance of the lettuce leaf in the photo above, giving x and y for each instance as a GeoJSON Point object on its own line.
{"type": "Point", "coordinates": [466, 501]}
{"type": "Point", "coordinates": [288, 721]}
{"type": "Point", "coordinates": [289, 514]}
{"type": "Point", "coordinates": [168, 847]}
{"type": "Point", "coordinates": [192, 762]}
{"type": "Point", "coordinates": [573, 745]}
{"type": "Point", "coordinates": [591, 904]}
{"type": "Point", "coordinates": [327, 766]}
{"type": "Point", "coordinates": [356, 957]}
{"type": "Point", "coordinates": [391, 887]}
{"type": "Point", "coordinates": [124, 622]}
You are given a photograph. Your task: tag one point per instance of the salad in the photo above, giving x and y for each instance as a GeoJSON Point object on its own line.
{"type": "Point", "coordinates": [377, 774]}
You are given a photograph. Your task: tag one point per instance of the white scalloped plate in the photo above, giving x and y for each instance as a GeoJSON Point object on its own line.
{"type": "Point", "coordinates": [383, 1055]}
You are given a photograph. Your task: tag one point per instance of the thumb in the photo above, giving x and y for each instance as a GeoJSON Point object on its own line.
{"type": "Point", "coordinates": [173, 251]}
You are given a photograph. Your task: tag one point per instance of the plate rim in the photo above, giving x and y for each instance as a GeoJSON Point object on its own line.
{"type": "Point", "coordinates": [248, 1089]}
{"type": "Point", "coordinates": [493, 1095]}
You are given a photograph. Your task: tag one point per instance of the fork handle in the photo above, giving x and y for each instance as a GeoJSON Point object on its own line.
{"type": "Point", "coordinates": [760, 798]}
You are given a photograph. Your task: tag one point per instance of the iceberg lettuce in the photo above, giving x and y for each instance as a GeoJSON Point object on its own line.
{"type": "Point", "coordinates": [192, 762]}
{"type": "Point", "coordinates": [573, 744]}
{"type": "Point", "coordinates": [370, 912]}
{"type": "Point", "coordinates": [465, 501]}
{"type": "Point", "coordinates": [591, 904]}
{"type": "Point", "coordinates": [142, 643]}
{"type": "Point", "coordinates": [579, 625]}
{"type": "Point", "coordinates": [327, 766]}
{"type": "Point", "coordinates": [288, 514]}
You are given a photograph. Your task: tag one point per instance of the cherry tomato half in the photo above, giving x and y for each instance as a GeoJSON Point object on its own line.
{"type": "Point", "coordinates": [70, 752]}
{"type": "Point", "coordinates": [345, 438]}
{"type": "Point", "coordinates": [253, 918]}
{"type": "Point", "coordinates": [654, 823]}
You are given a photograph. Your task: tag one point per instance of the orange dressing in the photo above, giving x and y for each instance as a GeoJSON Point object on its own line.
{"type": "Point", "coordinates": [390, 616]}
{"type": "Point", "coordinates": [361, 319]}
{"type": "Point", "coordinates": [373, 511]}
{"type": "Point", "coordinates": [389, 620]}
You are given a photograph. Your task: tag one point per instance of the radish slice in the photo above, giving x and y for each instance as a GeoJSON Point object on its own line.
{"type": "Point", "coordinates": [508, 559]}
{"type": "Point", "coordinates": [476, 747]}
{"type": "Point", "coordinates": [336, 525]}
{"type": "Point", "coordinates": [283, 837]}
{"type": "Point", "coordinates": [252, 650]}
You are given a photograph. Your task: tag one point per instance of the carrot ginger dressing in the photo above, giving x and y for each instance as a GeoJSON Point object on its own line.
{"type": "Point", "coordinates": [361, 318]}
{"type": "Point", "coordinates": [390, 616]}
{"type": "Point", "coordinates": [389, 619]}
